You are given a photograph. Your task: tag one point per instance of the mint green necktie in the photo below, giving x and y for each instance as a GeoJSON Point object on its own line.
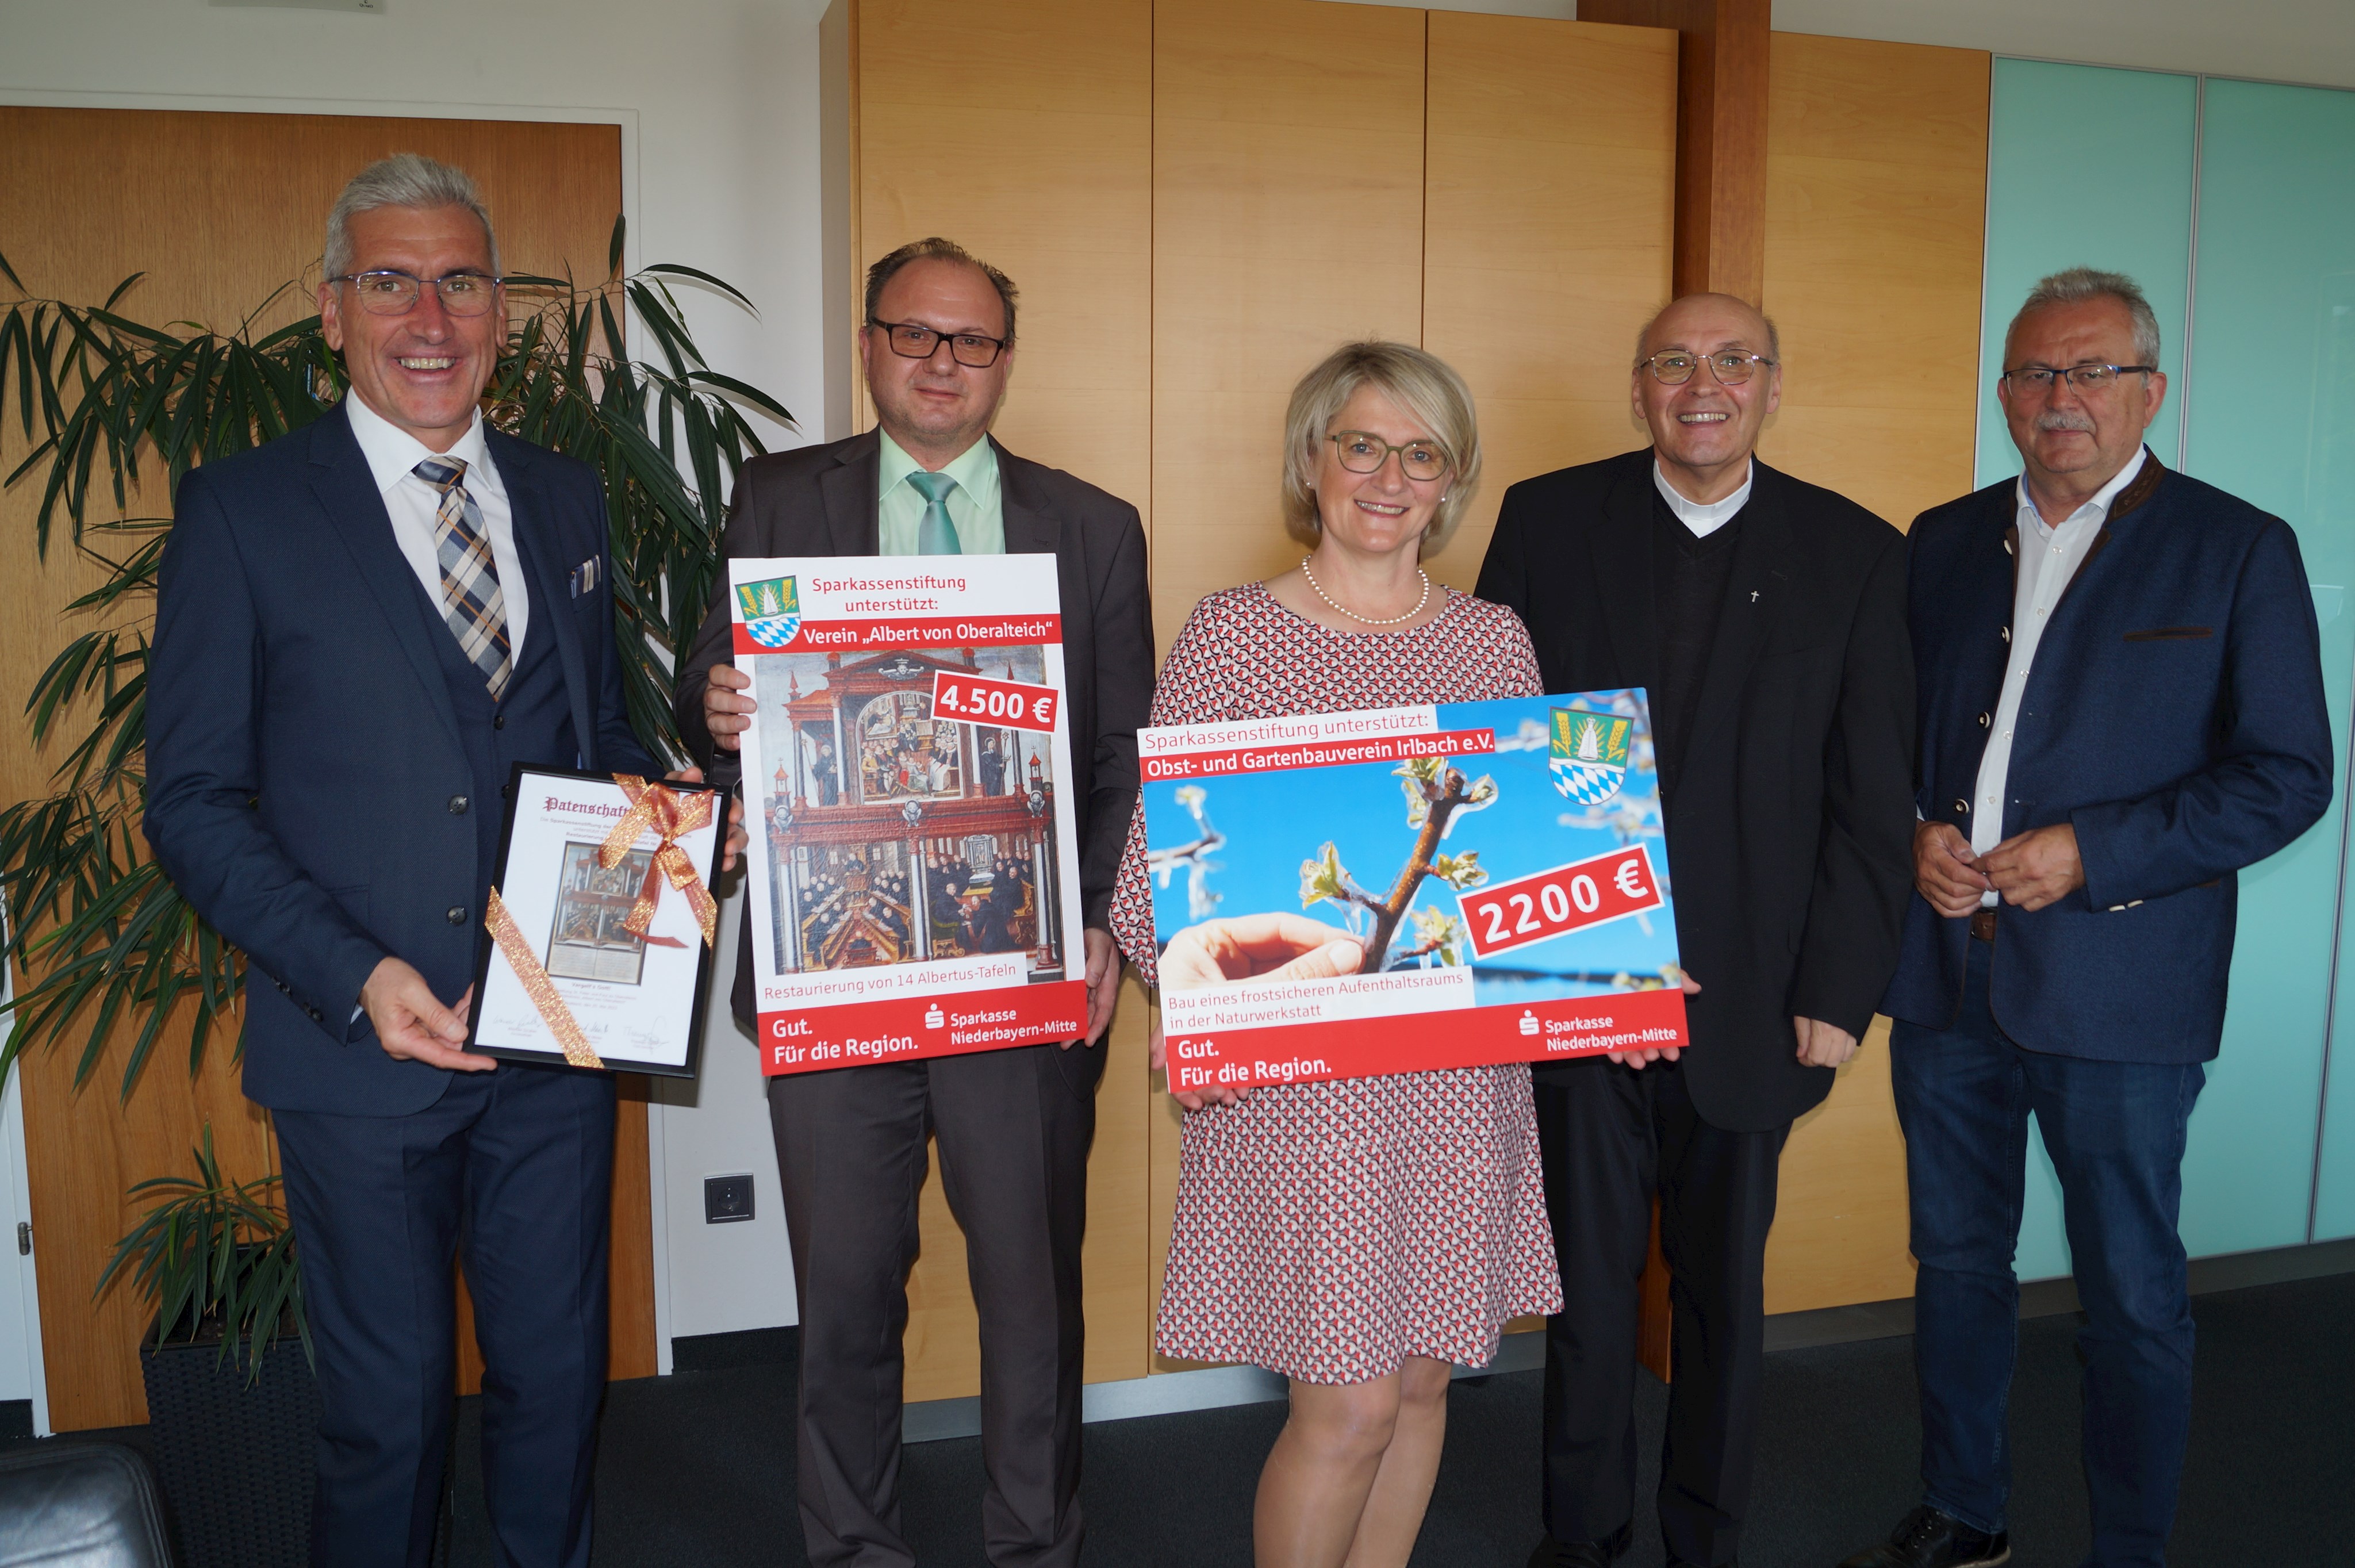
{"type": "Point", "coordinates": [935, 534]}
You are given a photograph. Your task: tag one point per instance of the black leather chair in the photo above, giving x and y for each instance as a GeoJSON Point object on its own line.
{"type": "Point", "coordinates": [80, 1505]}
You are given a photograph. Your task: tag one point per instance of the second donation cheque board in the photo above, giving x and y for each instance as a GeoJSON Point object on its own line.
{"type": "Point", "coordinates": [915, 858]}
{"type": "Point", "coordinates": [1339, 895]}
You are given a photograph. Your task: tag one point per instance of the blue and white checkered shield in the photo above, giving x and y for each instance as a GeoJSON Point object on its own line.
{"type": "Point", "coordinates": [774, 631]}
{"type": "Point", "coordinates": [1589, 783]}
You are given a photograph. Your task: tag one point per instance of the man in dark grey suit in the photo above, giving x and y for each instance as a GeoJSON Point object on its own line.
{"type": "Point", "coordinates": [1014, 1125]}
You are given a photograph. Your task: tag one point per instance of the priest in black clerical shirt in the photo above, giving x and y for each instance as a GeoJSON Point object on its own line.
{"type": "Point", "coordinates": [1766, 618]}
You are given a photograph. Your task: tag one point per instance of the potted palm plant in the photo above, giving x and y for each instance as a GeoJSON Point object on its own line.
{"type": "Point", "coordinates": [232, 1403]}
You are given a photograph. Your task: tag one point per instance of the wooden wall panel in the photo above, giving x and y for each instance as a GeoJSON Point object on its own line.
{"type": "Point", "coordinates": [1548, 238]}
{"type": "Point", "coordinates": [1022, 130]}
{"type": "Point", "coordinates": [1287, 219]}
{"type": "Point", "coordinates": [218, 209]}
{"type": "Point", "coordinates": [1875, 218]}
{"type": "Point", "coordinates": [1876, 223]}
{"type": "Point", "coordinates": [1035, 153]}
{"type": "Point", "coordinates": [1721, 90]}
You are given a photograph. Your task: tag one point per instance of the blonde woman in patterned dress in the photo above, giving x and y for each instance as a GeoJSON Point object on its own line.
{"type": "Point", "coordinates": [1357, 1235]}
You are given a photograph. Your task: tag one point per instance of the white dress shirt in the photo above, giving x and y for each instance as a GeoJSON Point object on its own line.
{"type": "Point", "coordinates": [2049, 558]}
{"type": "Point", "coordinates": [392, 456]}
{"type": "Point", "coordinates": [1704, 517]}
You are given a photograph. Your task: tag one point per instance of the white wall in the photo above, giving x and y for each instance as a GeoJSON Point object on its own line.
{"type": "Point", "coordinates": [20, 1306]}
{"type": "Point", "coordinates": [718, 102]}
{"type": "Point", "coordinates": [719, 1278]}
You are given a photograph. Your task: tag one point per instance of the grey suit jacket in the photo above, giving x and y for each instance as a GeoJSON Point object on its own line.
{"type": "Point", "coordinates": [821, 501]}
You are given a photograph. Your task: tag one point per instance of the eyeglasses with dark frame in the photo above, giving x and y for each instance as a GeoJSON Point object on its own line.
{"type": "Point", "coordinates": [1732, 367]}
{"type": "Point", "coordinates": [1362, 451]}
{"type": "Point", "coordinates": [914, 340]}
{"type": "Point", "coordinates": [2084, 377]}
{"type": "Point", "coordinates": [388, 292]}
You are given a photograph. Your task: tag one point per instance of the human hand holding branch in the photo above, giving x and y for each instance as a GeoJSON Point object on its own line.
{"type": "Point", "coordinates": [1229, 951]}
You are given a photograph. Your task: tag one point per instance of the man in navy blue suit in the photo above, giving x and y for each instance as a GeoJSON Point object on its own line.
{"type": "Point", "coordinates": [360, 627]}
{"type": "Point", "coordinates": [2120, 706]}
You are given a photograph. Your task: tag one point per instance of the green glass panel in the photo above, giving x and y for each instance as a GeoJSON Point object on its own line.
{"type": "Point", "coordinates": [2087, 167]}
{"type": "Point", "coordinates": [2273, 420]}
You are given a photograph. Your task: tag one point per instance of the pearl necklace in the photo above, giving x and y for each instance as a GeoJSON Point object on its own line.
{"type": "Point", "coordinates": [1368, 619]}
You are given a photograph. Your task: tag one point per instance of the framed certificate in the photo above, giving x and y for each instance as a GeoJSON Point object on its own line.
{"type": "Point", "coordinates": [914, 859]}
{"type": "Point", "coordinates": [1340, 895]}
{"type": "Point", "coordinates": [596, 951]}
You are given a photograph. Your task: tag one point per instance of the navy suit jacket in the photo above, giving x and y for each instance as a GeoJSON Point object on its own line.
{"type": "Point", "coordinates": [2174, 717]}
{"type": "Point", "coordinates": [303, 754]}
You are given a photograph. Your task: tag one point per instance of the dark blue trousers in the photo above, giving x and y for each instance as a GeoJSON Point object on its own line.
{"type": "Point", "coordinates": [512, 1169]}
{"type": "Point", "coordinates": [2115, 1130]}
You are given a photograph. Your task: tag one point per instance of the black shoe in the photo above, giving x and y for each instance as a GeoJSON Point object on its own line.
{"type": "Point", "coordinates": [1552, 1553]}
{"type": "Point", "coordinates": [1928, 1538]}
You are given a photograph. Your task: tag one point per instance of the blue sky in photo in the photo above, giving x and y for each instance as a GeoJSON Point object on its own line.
{"type": "Point", "coordinates": [1274, 821]}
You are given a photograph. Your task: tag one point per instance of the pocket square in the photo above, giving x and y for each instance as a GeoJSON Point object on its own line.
{"type": "Point", "coordinates": [584, 577]}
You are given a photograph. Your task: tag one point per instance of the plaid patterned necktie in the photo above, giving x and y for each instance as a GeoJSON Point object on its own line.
{"type": "Point", "coordinates": [471, 603]}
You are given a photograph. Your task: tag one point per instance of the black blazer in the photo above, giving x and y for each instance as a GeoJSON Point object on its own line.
{"type": "Point", "coordinates": [1790, 833]}
{"type": "Point", "coordinates": [821, 501]}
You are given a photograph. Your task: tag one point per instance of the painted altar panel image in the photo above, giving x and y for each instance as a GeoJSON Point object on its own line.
{"type": "Point", "coordinates": [913, 873]}
{"type": "Point", "coordinates": [857, 878]}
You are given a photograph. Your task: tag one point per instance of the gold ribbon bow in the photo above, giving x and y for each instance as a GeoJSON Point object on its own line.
{"type": "Point", "coordinates": [670, 817]}
{"type": "Point", "coordinates": [538, 986]}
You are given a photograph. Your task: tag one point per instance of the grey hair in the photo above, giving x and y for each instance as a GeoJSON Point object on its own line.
{"type": "Point", "coordinates": [1644, 333]}
{"type": "Point", "coordinates": [2078, 284]}
{"type": "Point", "coordinates": [404, 179]}
{"type": "Point", "coordinates": [1421, 384]}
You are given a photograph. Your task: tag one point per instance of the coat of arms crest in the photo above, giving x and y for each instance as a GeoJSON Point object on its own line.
{"type": "Point", "coordinates": [772, 611]}
{"type": "Point", "coordinates": [1590, 754]}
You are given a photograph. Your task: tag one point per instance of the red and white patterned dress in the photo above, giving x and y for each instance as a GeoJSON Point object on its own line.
{"type": "Point", "coordinates": [1328, 1231]}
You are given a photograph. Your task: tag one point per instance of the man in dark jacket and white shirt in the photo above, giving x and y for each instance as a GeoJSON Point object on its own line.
{"type": "Point", "coordinates": [1766, 620]}
{"type": "Point", "coordinates": [2122, 705]}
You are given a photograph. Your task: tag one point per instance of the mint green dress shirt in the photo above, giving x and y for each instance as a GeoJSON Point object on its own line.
{"type": "Point", "coordinates": [974, 506]}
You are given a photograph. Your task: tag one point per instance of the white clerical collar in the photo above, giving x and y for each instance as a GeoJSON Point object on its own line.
{"type": "Point", "coordinates": [1704, 517]}
{"type": "Point", "coordinates": [2097, 507]}
{"type": "Point", "coordinates": [392, 453]}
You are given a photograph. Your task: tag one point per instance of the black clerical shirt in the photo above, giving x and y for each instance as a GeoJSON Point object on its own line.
{"type": "Point", "coordinates": [1688, 578]}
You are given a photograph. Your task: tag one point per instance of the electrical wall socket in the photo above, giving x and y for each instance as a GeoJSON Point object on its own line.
{"type": "Point", "coordinates": [727, 1199]}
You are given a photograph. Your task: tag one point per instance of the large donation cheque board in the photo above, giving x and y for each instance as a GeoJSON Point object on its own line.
{"type": "Point", "coordinates": [915, 852]}
{"type": "Point", "coordinates": [1338, 895]}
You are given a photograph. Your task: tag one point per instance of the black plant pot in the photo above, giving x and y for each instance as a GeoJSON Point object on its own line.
{"type": "Point", "coordinates": [237, 1456]}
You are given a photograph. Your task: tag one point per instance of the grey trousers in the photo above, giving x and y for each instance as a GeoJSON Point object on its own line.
{"type": "Point", "coordinates": [1014, 1129]}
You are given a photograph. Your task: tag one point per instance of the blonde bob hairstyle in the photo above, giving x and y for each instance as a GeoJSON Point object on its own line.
{"type": "Point", "coordinates": [1423, 385]}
